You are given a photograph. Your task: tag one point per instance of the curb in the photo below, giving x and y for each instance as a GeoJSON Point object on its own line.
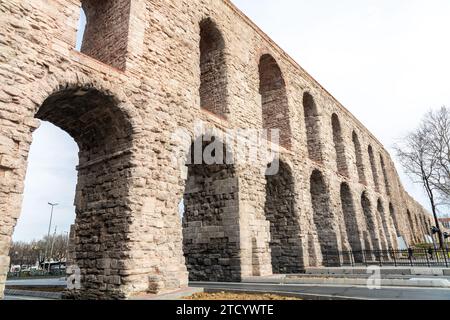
{"type": "Point", "coordinates": [416, 271]}
{"type": "Point", "coordinates": [413, 282]}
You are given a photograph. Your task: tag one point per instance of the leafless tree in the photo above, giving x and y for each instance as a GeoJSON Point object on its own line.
{"type": "Point", "coordinates": [438, 124]}
{"type": "Point", "coordinates": [425, 156]}
{"type": "Point", "coordinates": [28, 253]}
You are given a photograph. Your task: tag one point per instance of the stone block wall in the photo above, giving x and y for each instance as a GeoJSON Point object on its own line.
{"type": "Point", "coordinates": [137, 82]}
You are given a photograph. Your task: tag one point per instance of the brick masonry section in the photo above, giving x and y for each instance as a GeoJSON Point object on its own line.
{"type": "Point", "coordinates": [148, 69]}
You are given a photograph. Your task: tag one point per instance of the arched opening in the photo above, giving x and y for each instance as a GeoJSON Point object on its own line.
{"type": "Point", "coordinates": [213, 70]}
{"type": "Point", "coordinates": [103, 134]}
{"type": "Point", "coordinates": [424, 225]}
{"type": "Point", "coordinates": [280, 210]}
{"type": "Point", "coordinates": [394, 218]}
{"type": "Point", "coordinates": [323, 219]}
{"type": "Point", "coordinates": [351, 223]}
{"type": "Point", "coordinates": [386, 240]}
{"type": "Point", "coordinates": [386, 179]}
{"type": "Point", "coordinates": [373, 166]}
{"type": "Point", "coordinates": [211, 240]}
{"type": "Point", "coordinates": [370, 222]}
{"type": "Point", "coordinates": [81, 28]}
{"type": "Point", "coordinates": [312, 125]}
{"type": "Point", "coordinates": [418, 228]}
{"type": "Point", "coordinates": [411, 228]}
{"type": "Point", "coordinates": [39, 247]}
{"type": "Point", "coordinates": [274, 101]}
{"type": "Point", "coordinates": [339, 146]}
{"type": "Point", "coordinates": [359, 158]}
{"type": "Point", "coordinates": [103, 27]}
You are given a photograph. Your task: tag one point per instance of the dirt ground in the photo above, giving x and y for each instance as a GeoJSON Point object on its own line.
{"type": "Point", "coordinates": [238, 296]}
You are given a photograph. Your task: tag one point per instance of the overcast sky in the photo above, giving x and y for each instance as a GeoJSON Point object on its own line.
{"type": "Point", "coordinates": [387, 61]}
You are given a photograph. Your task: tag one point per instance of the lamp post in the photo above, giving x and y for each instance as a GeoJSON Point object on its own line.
{"type": "Point", "coordinates": [53, 205]}
{"type": "Point", "coordinates": [51, 250]}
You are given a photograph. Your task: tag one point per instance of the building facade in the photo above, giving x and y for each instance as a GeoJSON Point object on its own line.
{"type": "Point", "coordinates": [149, 74]}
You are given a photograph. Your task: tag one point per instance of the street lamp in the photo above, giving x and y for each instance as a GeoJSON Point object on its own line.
{"type": "Point", "coordinates": [53, 205]}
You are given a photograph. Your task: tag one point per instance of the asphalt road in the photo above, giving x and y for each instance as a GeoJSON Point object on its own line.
{"type": "Point", "coordinates": [352, 292]}
{"type": "Point", "coordinates": [37, 282]}
{"type": "Point", "coordinates": [328, 291]}
{"type": "Point", "coordinates": [23, 298]}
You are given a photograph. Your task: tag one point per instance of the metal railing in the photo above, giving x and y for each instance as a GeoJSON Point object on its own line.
{"type": "Point", "coordinates": [396, 258]}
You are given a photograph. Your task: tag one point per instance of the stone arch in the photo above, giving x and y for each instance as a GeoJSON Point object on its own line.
{"type": "Point", "coordinates": [351, 223]}
{"type": "Point", "coordinates": [102, 40]}
{"type": "Point", "coordinates": [339, 146]}
{"type": "Point", "coordinates": [323, 217]}
{"type": "Point", "coordinates": [312, 125]}
{"type": "Point", "coordinates": [424, 225]}
{"type": "Point", "coordinates": [385, 175]}
{"type": "Point", "coordinates": [211, 239]}
{"type": "Point", "coordinates": [370, 222]}
{"type": "Point", "coordinates": [79, 82]}
{"type": "Point", "coordinates": [374, 170]}
{"type": "Point", "coordinates": [386, 240]}
{"type": "Point", "coordinates": [101, 124]}
{"type": "Point", "coordinates": [418, 227]}
{"type": "Point", "coordinates": [213, 70]}
{"type": "Point", "coordinates": [274, 100]}
{"type": "Point", "coordinates": [280, 211]}
{"type": "Point", "coordinates": [359, 158]}
{"type": "Point", "coordinates": [411, 228]}
{"type": "Point", "coordinates": [394, 218]}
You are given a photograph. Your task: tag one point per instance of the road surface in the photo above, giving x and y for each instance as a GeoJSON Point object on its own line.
{"type": "Point", "coordinates": [330, 291]}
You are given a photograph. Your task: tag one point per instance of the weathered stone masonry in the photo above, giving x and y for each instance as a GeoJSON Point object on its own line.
{"type": "Point", "coordinates": [148, 68]}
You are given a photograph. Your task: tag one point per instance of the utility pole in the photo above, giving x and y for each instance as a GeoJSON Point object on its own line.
{"type": "Point", "coordinates": [53, 205]}
{"type": "Point", "coordinates": [51, 250]}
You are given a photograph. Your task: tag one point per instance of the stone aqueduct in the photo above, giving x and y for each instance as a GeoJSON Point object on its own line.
{"type": "Point", "coordinates": [135, 83]}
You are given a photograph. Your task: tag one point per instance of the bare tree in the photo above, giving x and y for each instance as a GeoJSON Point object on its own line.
{"type": "Point", "coordinates": [438, 124]}
{"type": "Point", "coordinates": [425, 156]}
{"type": "Point", "coordinates": [28, 253]}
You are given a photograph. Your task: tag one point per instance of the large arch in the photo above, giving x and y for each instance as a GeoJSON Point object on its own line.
{"type": "Point", "coordinates": [374, 170]}
{"type": "Point", "coordinates": [370, 222]}
{"type": "Point", "coordinates": [323, 218]}
{"type": "Point", "coordinates": [102, 128]}
{"type": "Point", "coordinates": [280, 211]}
{"type": "Point", "coordinates": [412, 228]}
{"type": "Point", "coordinates": [312, 126]}
{"type": "Point", "coordinates": [211, 239]}
{"type": "Point", "coordinates": [385, 175]}
{"type": "Point", "coordinates": [419, 229]}
{"type": "Point", "coordinates": [351, 223]}
{"type": "Point", "coordinates": [395, 219]}
{"type": "Point", "coordinates": [359, 158]}
{"type": "Point", "coordinates": [213, 70]}
{"type": "Point", "coordinates": [339, 146]}
{"type": "Point", "coordinates": [274, 100]}
{"type": "Point", "coordinates": [386, 240]}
